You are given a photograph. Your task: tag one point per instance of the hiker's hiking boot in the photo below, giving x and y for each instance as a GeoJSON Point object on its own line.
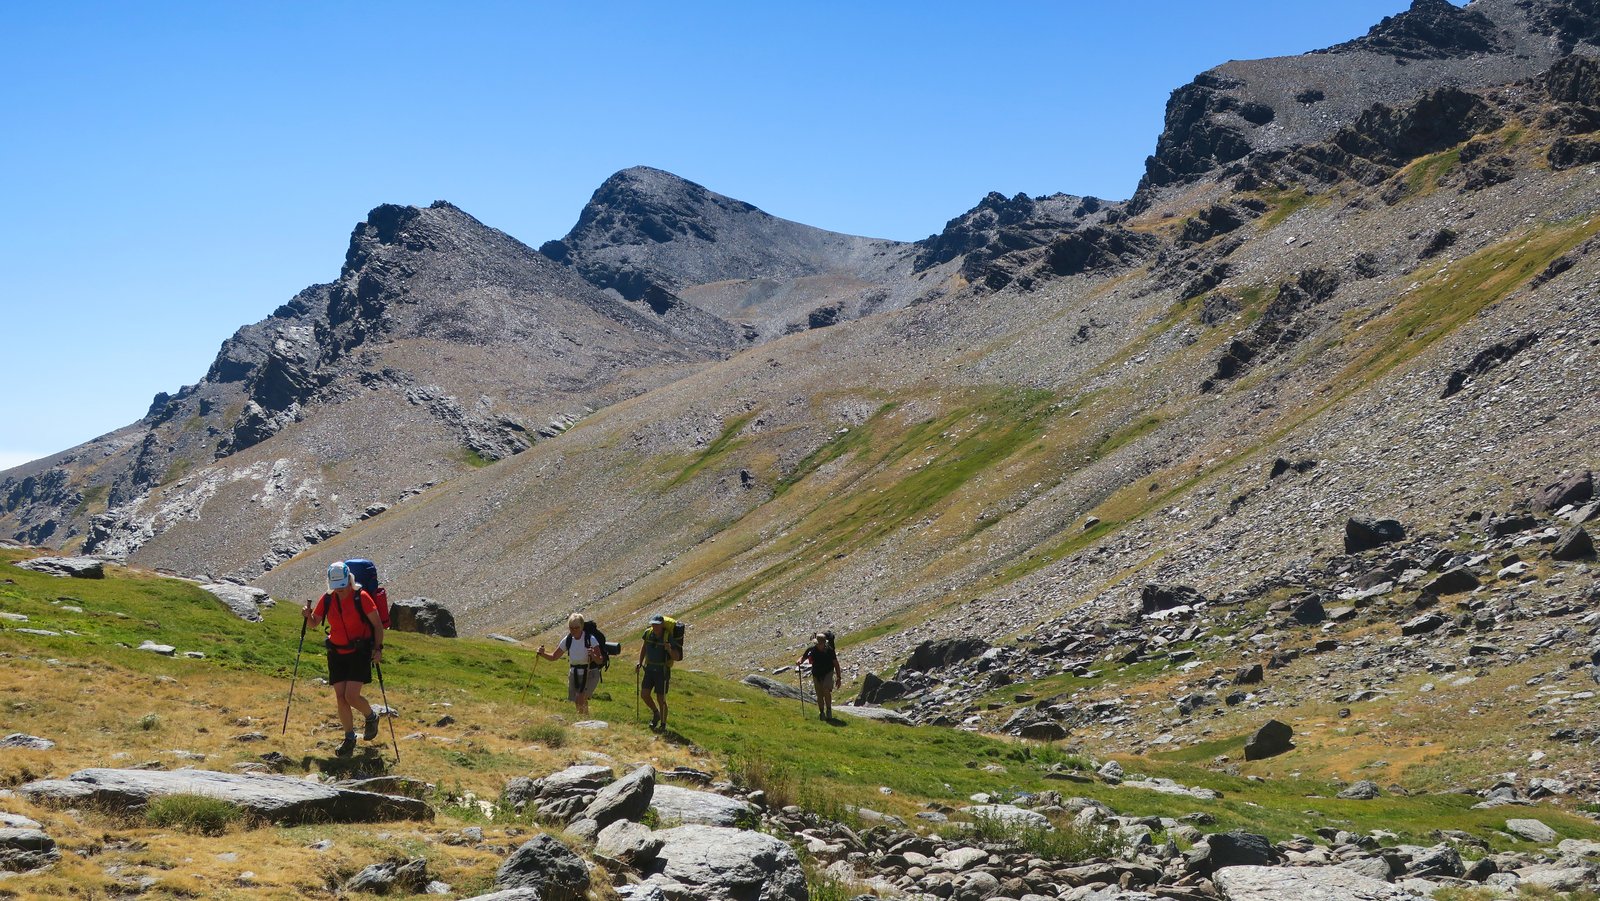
{"type": "Point", "coordinates": [346, 747]}
{"type": "Point", "coordinates": [369, 729]}
{"type": "Point", "coordinates": [655, 722]}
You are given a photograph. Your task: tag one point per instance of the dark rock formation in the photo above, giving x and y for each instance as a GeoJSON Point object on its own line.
{"type": "Point", "coordinates": [1574, 544]}
{"type": "Point", "coordinates": [1364, 534]}
{"type": "Point", "coordinates": [1571, 488]}
{"type": "Point", "coordinates": [940, 653]}
{"type": "Point", "coordinates": [1487, 360]}
{"type": "Point", "coordinates": [423, 616]}
{"type": "Point", "coordinates": [1430, 29]}
{"type": "Point", "coordinates": [1270, 740]}
{"type": "Point", "coordinates": [1154, 598]}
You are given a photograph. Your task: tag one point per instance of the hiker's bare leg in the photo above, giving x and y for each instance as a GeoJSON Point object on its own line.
{"type": "Point", "coordinates": [650, 702]}
{"type": "Point", "coordinates": [353, 699]}
{"type": "Point", "coordinates": [661, 698]}
{"type": "Point", "coordinates": [344, 706]}
{"type": "Point", "coordinates": [583, 706]}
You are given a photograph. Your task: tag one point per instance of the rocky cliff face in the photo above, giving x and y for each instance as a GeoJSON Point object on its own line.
{"type": "Point", "coordinates": [1247, 106]}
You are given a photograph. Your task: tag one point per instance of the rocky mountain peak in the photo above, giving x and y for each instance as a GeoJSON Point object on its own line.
{"type": "Point", "coordinates": [1430, 29]}
{"type": "Point", "coordinates": [646, 233]}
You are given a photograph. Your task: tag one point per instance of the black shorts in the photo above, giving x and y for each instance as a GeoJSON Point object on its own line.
{"type": "Point", "coordinates": [656, 678]}
{"type": "Point", "coordinates": [353, 667]}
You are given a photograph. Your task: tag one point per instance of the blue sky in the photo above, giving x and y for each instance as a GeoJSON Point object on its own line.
{"type": "Point", "coordinates": [174, 171]}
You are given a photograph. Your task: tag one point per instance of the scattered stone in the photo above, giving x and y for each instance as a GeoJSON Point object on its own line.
{"type": "Point", "coordinates": [409, 876]}
{"type": "Point", "coordinates": [546, 866]}
{"type": "Point", "coordinates": [1231, 849]}
{"type": "Point", "coordinates": [1009, 815]}
{"type": "Point", "coordinates": [1156, 598]}
{"type": "Point", "coordinates": [1571, 488]}
{"type": "Point", "coordinates": [165, 650]}
{"type": "Point", "coordinates": [627, 847]}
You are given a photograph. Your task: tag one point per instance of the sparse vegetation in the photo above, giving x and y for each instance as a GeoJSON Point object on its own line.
{"type": "Point", "coordinates": [551, 735]}
{"type": "Point", "coordinates": [1066, 840]}
{"type": "Point", "coordinates": [192, 813]}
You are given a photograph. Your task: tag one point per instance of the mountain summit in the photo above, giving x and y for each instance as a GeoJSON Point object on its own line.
{"type": "Point", "coordinates": [659, 239]}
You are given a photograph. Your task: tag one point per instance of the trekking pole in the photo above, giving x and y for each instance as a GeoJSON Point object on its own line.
{"type": "Point", "coordinates": [800, 689]}
{"type": "Point", "coordinates": [390, 711]}
{"type": "Point", "coordinates": [529, 681]}
{"type": "Point", "coordinates": [636, 696]}
{"type": "Point", "coordinates": [295, 677]}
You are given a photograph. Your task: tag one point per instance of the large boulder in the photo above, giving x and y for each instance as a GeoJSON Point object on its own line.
{"type": "Point", "coordinates": [26, 848]}
{"type": "Point", "coordinates": [66, 567]}
{"type": "Point", "coordinates": [1571, 488]}
{"type": "Point", "coordinates": [1364, 534]}
{"type": "Point", "coordinates": [1574, 544]}
{"type": "Point", "coordinates": [940, 653]}
{"type": "Point", "coordinates": [280, 799]}
{"type": "Point", "coordinates": [1452, 581]}
{"type": "Point", "coordinates": [674, 805]}
{"type": "Point", "coordinates": [625, 799]}
{"type": "Point", "coordinates": [242, 601]}
{"type": "Point", "coordinates": [546, 866]}
{"type": "Point", "coordinates": [876, 690]}
{"type": "Point", "coordinates": [712, 863]}
{"type": "Point", "coordinates": [1155, 598]}
{"type": "Point", "coordinates": [422, 616]}
{"type": "Point", "coordinates": [1263, 883]}
{"type": "Point", "coordinates": [625, 846]}
{"type": "Point", "coordinates": [1270, 740]}
{"type": "Point", "coordinates": [1231, 849]}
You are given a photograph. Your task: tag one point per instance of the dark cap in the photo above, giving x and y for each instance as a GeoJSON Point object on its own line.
{"type": "Point", "coordinates": [658, 620]}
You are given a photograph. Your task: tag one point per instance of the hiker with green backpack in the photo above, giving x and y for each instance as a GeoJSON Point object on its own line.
{"type": "Point", "coordinates": [355, 643]}
{"type": "Point", "coordinates": [660, 645]}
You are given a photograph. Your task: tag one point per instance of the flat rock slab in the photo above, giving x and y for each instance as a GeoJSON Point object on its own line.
{"type": "Point", "coordinates": [241, 600]}
{"type": "Point", "coordinates": [74, 567]}
{"type": "Point", "coordinates": [1304, 884]}
{"type": "Point", "coordinates": [775, 688]}
{"type": "Point", "coordinates": [717, 864]}
{"type": "Point", "coordinates": [1168, 787]}
{"type": "Point", "coordinates": [881, 714]}
{"type": "Point", "coordinates": [1532, 830]}
{"type": "Point", "coordinates": [1010, 815]}
{"type": "Point", "coordinates": [687, 806]}
{"type": "Point", "coordinates": [23, 742]}
{"type": "Point", "coordinates": [280, 799]}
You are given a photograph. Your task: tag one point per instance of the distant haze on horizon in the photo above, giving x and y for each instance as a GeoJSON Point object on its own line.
{"type": "Point", "coordinates": [184, 170]}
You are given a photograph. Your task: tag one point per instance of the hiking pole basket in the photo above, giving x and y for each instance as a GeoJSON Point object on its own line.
{"type": "Point", "coordinates": [295, 677]}
{"type": "Point", "coordinates": [389, 711]}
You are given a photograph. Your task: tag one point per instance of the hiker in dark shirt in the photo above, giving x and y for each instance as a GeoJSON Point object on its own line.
{"type": "Point", "coordinates": [825, 672]}
{"type": "Point", "coordinates": [656, 653]}
{"type": "Point", "coordinates": [355, 643]}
